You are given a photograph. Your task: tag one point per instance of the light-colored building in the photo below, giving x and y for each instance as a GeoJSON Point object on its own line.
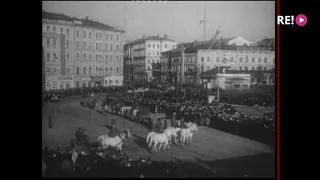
{"type": "Point", "coordinates": [199, 59]}
{"type": "Point", "coordinates": [89, 50]}
{"type": "Point", "coordinates": [146, 51]}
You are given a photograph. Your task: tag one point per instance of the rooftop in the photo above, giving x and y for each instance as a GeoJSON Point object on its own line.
{"type": "Point", "coordinates": [157, 38]}
{"type": "Point", "coordinates": [85, 22]}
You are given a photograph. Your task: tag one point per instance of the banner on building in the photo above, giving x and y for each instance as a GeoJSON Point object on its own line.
{"type": "Point", "coordinates": [62, 55]}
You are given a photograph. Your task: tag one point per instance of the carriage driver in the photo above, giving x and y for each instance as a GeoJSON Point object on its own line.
{"type": "Point", "coordinates": [114, 131]}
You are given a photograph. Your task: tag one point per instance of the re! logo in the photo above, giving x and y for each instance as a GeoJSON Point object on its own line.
{"type": "Point", "coordinates": [285, 20]}
{"type": "Point", "coordinates": [300, 20]}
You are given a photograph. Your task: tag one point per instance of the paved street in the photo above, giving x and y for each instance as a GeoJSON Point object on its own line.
{"type": "Point", "coordinates": [208, 144]}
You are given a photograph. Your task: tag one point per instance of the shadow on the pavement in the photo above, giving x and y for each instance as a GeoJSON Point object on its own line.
{"type": "Point", "coordinates": [141, 142]}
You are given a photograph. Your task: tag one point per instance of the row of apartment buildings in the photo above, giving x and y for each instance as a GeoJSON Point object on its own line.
{"type": "Point", "coordinates": [198, 58]}
{"type": "Point", "coordinates": [139, 55]}
{"type": "Point", "coordinates": [80, 52]}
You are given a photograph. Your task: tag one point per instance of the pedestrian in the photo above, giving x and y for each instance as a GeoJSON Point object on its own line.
{"type": "Point", "coordinates": [113, 122]}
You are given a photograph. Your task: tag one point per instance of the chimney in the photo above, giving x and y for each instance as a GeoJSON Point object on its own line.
{"type": "Point", "coordinates": [87, 18]}
{"type": "Point", "coordinates": [143, 36]}
{"type": "Point", "coordinates": [158, 35]}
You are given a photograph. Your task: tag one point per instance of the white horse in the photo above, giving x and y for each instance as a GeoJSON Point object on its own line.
{"type": "Point", "coordinates": [175, 134]}
{"type": "Point", "coordinates": [124, 109]}
{"type": "Point", "coordinates": [156, 139]}
{"type": "Point", "coordinates": [105, 141]}
{"type": "Point", "coordinates": [187, 133]}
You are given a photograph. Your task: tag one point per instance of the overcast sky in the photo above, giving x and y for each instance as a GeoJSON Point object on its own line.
{"type": "Point", "coordinates": [180, 20]}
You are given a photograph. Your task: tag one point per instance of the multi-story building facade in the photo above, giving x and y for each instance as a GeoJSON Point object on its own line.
{"type": "Point", "coordinates": [143, 52]}
{"type": "Point", "coordinates": [81, 52]}
{"type": "Point", "coordinates": [199, 59]}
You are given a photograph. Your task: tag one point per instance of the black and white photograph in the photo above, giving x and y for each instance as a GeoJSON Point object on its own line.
{"type": "Point", "coordinates": [158, 89]}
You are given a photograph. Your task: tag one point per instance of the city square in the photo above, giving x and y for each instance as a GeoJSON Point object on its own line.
{"type": "Point", "coordinates": [208, 103]}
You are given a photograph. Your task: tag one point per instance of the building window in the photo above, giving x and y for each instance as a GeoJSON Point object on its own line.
{"type": "Point", "coordinates": [148, 45]}
{"type": "Point", "coordinates": [55, 71]}
{"type": "Point", "coordinates": [68, 70]}
{"type": "Point", "coordinates": [78, 56]}
{"type": "Point", "coordinates": [117, 37]}
{"type": "Point", "coordinates": [67, 44]}
{"type": "Point", "coordinates": [61, 30]}
{"type": "Point", "coordinates": [100, 36]}
{"type": "Point", "coordinates": [48, 43]}
{"type": "Point", "coordinates": [165, 45]}
{"type": "Point", "coordinates": [265, 68]}
{"type": "Point", "coordinates": [97, 35]}
{"type": "Point", "coordinates": [246, 68]}
{"type": "Point", "coordinates": [54, 29]}
{"type": "Point", "coordinates": [84, 70]}
{"type": "Point", "coordinates": [208, 59]}
{"type": "Point", "coordinates": [253, 60]}
{"type": "Point", "coordinates": [77, 70]}
{"type": "Point", "coordinates": [100, 57]}
{"type": "Point", "coordinates": [202, 59]}
{"type": "Point", "coordinates": [208, 67]}
{"type": "Point", "coordinates": [89, 70]}
{"type": "Point", "coordinates": [240, 68]}
{"type": "Point", "coordinates": [218, 59]}
{"type": "Point", "coordinates": [152, 61]}
{"type": "Point", "coordinates": [78, 44]}
{"type": "Point", "coordinates": [110, 81]}
{"type": "Point", "coordinates": [202, 68]}
{"type": "Point", "coordinates": [158, 46]}
{"type": "Point", "coordinates": [259, 60]}
{"type": "Point", "coordinates": [54, 56]}
{"type": "Point", "coordinates": [231, 59]}
{"type": "Point", "coordinates": [84, 34]}
{"type": "Point", "coordinates": [89, 57]}
{"type": "Point", "coordinates": [111, 47]}
{"type": "Point", "coordinates": [265, 60]}
{"type": "Point", "coordinates": [89, 34]}
{"type": "Point", "coordinates": [111, 37]}
{"type": "Point", "coordinates": [118, 48]}
{"type": "Point", "coordinates": [48, 57]}
{"type": "Point", "coordinates": [158, 53]}
{"type": "Point", "coordinates": [78, 33]}
{"type": "Point", "coordinates": [252, 68]}
{"type": "Point", "coordinates": [67, 57]}
{"type": "Point", "coordinates": [153, 46]}
{"type": "Point", "coordinates": [84, 45]}
{"type": "Point", "coordinates": [97, 57]}
{"type": "Point", "coordinates": [149, 61]}
{"type": "Point", "coordinates": [117, 70]}
{"type": "Point", "coordinates": [97, 46]}
{"type": "Point", "coordinates": [241, 59]}
{"type": "Point", "coordinates": [107, 37]}
{"type": "Point", "coordinates": [54, 43]}
{"type": "Point", "coordinates": [247, 58]}
{"type": "Point", "coordinates": [149, 52]}
{"type": "Point", "coordinates": [84, 57]}
{"type": "Point", "coordinates": [107, 47]}
{"type": "Point", "coordinates": [48, 28]}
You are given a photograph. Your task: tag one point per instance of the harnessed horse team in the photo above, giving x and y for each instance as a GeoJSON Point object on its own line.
{"type": "Point", "coordinates": [171, 135]}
